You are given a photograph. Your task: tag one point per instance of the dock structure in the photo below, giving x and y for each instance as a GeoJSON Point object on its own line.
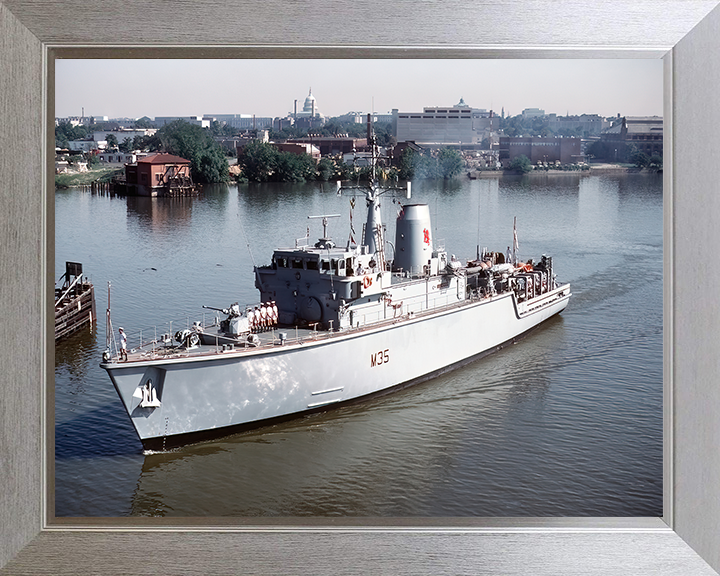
{"type": "Point", "coordinates": [74, 301]}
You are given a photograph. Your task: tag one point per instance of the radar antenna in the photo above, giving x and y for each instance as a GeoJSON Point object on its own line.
{"type": "Point", "coordinates": [324, 222]}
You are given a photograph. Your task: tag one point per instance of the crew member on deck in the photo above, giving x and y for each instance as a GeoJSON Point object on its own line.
{"type": "Point", "coordinates": [123, 344]}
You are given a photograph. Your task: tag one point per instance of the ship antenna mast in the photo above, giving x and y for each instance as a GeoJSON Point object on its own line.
{"type": "Point", "coordinates": [373, 228]}
{"type": "Point", "coordinates": [108, 322]}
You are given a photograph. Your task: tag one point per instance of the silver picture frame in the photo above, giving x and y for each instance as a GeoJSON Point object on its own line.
{"type": "Point", "coordinates": [684, 33]}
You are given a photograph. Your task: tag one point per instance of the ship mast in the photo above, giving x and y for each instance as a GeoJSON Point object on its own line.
{"type": "Point", "coordinates": [374, 237]}
{"type": "Point", "coordinates": [373, 228]}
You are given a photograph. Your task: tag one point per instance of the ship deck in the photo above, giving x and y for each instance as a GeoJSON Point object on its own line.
{"type": "Point", "coordinates": [215, 344]}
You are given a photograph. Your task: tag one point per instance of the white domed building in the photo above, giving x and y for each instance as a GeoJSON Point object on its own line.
{"type": "Point", "coordinates": [310, 115]}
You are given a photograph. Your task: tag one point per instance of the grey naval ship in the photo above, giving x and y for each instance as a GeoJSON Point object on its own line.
{"type": "Point", "coordinates": [333, 325]}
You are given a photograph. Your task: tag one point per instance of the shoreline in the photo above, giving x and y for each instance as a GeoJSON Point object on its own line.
{"type": "Point", "coordinates": [73, 179]}
{"type": "Point", "coordinates": [594, 170]}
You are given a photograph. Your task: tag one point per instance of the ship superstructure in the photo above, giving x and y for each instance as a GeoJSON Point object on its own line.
{"type": "Point", "coordinates": [334, 324]}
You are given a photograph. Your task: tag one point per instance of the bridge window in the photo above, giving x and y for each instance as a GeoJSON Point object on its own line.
{"type": "Point", "coordinates": [297, 263]}
{"type": "Point", "coordinates": [312, 264]}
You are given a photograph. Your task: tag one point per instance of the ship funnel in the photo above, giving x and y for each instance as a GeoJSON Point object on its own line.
{"type": "Point", "coordinates": [413, 239]}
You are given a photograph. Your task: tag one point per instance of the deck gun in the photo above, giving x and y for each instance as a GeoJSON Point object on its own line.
{"type": "Point", "coordinates": [236, 322]}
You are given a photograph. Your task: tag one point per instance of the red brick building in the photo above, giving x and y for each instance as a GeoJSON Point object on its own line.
{"type": "Point", "coordinates": [159, 175]}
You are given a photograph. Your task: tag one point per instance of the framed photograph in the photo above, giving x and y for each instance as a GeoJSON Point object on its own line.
{"type": "Point", "coordinates": [178, 262]}
{"type": "Point", "coordinates": [681, 539]}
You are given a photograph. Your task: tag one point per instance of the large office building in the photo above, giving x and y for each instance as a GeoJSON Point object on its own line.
{"type": "Point", "coordinates": [361, 118]}
{"type": "Point", "coordinates": [645, 133]}
{"type": "Point", "coordinates": [241, 121]}
{"type": "Point", "coordinates": [160, 121]}
{"type": "Point", "coordinates": [454, 125]}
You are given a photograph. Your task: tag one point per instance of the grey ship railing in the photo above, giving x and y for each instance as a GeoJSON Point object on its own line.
{"type": "Point", "coordinates": [158, 341]}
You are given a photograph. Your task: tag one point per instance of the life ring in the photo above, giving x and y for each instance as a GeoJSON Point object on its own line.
{"type": "Point", "coordinates": [367, 282]}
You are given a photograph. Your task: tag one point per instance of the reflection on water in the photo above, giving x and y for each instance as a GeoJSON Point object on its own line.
{"type": "Point", "coordinates": [566, 422]}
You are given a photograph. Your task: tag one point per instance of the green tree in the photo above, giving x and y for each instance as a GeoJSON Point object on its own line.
{"type": "Point", "coordinates": [207, 159]}
{"type": "Point", "coordinates": [126, 145]}
{"type": "Point", "coordinates": [291, 167]}
{"type": "Point", "coordinates": [258, 161]}
{"type": "Point", "coordinates": [65, 132]}
{"type": "Point", "coordinates": [325, 169]}
{"type": "Point", "coordinates": [450, 163]}
{"type": "Point", "coordinates": [149, 143]}
{"type": "Point", "coordinates": [222, 129]}
{"type": "Point", "coordinates": [407, 164]}
{"type": "Point", "coordinates": [112, 141]}
{"type": "Point", "coordinates": [640, 159]}
{"type": "Point", "coordinates": [343, 171]}
{"type": "Point", "coordinates": [144, 122]}
{"type": "Point", "coordinates": [425, 166]}
{"type": "Point", "coordinates": [656, 163]}
{"type": "Point", "coordinates": [521, 164]}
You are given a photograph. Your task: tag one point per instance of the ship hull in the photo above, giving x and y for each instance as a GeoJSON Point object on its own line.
{"type": "Point", "coordinates": [207, 397]}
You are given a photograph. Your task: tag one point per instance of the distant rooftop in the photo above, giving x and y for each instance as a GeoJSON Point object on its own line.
{"type": "Point", "coordinates": [163, 159]}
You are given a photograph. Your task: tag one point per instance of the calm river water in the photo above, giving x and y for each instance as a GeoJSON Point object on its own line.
{"type": "Point", "coordinates": [568, 422]}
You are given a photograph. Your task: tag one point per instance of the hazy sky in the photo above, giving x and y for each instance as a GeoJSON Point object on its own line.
{"type": "Point", "coordinates": [135, 88]}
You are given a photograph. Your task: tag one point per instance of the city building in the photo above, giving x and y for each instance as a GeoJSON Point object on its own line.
{"type": "Point", "coordinates": [101, 136]}
{"type": "Point", "coordinates": [81, 120]}
{"type": "Point", "coordinates": [86, 145]}
{"type": "Point", "coordinates": [532, 112]}
{"type": "Point", "coordinates": [121, 157]}
{"type": "Point", "coordinates": [397, 151]}
{"type": "Point", "coordinates": [583, 125]}
{"type": "Point", "coordinates": [310, 116]}
{"type": "Point", "coordinates": [361, 118]}
{"type": "Point", "coordinates": [539, 149]}
{"type": "Point", "coordinates": [644, 133]}
{"type": "Point", "coordinates": [332, 145]}
{"type": "Point", "coordinates": [454, 125]}
{"type": "Point", "coordinates": [73, 121]}
{"type": "Point", "coordinates": [281, 123]}
{"type": "Point", "coordinates": [160, 121]}
{"type": "Point", "coordinates": [241, 121]}
{"type": "Point", "coordinates": [299, 149]}
{"type": "Point", "coordinates": [230, 143]}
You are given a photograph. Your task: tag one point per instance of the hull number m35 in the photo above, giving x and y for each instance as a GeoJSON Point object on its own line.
{"type": "Point", "coordinates": [382, 357]}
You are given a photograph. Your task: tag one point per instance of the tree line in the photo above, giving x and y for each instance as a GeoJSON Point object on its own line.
{"type": "Point", "coordinates": [263, 162]}
{"type": "Point", "coordinates": [625, 152]}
